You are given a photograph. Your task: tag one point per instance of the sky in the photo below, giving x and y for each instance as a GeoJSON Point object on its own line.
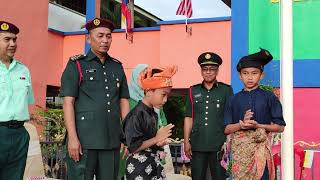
{"type": "Point", "coordinates": [166, 9]}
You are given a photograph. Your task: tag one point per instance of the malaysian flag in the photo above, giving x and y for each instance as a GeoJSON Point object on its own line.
{"type": "Point", "coordinates": [185, 8]}
{"type": "Point", "coordinates": [126, 11]}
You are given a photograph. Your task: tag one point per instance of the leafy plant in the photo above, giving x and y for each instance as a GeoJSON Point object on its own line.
{"type": "Point", "coordinates": [174, 110]}
{"type": "Point", "coordinates": [266, 87]}
{"type": "Point", "coordinates": [52, 119]}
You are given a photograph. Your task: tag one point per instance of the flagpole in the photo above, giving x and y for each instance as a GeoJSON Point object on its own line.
{"type": "Point", "coordinates": [125, 21]}
{"type": "Point", "coordinates": [186, 14]}
{"type": "Point", "coordinates": [286, 51]}
{"type": "Point", "coordinates": [186, 24]}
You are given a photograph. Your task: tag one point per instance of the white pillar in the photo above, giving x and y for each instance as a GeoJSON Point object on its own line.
{"type": "Point", "coordinates": [286, 51]}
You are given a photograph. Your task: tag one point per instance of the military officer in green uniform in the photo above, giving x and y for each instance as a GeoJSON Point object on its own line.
{"type": "Point", "coordinates": [203, 124]}
{"type": "Point", "coordinates": [95, 92]}
{"type": "Point", "coordinates": [15, 96]}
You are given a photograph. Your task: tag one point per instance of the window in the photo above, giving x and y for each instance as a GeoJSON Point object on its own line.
{"type": "Point", "coordinates": [111, 9]}
{"type": "Point", "coordinates": [76, 5]}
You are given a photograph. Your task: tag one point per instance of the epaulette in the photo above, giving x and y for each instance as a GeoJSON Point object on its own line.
{"type": "Point", "coordinates": [224, 84]}
{"type": "Point", "coordinates": [77, 57]}
{"type": "Point", "coordinates": [116, 60]}
{"type": "Point", "coordinates": [196, 85]}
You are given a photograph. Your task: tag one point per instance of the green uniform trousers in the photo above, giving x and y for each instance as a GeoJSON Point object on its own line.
{"type": "Point", "coordinates": [14, 144]}
{"type": "Point", "coordinates": [122, 166]}
{"type": "Point", "coordinates": [199, 166]}
{"type": "Point", "coordinates": [103, 164]}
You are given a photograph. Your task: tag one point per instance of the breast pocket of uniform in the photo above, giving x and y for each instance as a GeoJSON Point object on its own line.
{"type": "Point", "coordinates": [91, 77]}
{"type": "Point", "coordinates": [21, 86]}
{"type": "Point", "coordinates": [3, 87]}
{"type": "Point", "coordinates": [115, 83]}
{"type": "Point", "coordinates": [218, 104]}
{"type": "Point", "coordinates": [90, 81]}
{"type": "Point", "coordinates": [199, 104]}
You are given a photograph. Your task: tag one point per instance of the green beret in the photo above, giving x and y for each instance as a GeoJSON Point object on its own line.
{"type": "Point", "coordinates": [209, 58]}
{"type": "Point", "coordinates": [8, 27]}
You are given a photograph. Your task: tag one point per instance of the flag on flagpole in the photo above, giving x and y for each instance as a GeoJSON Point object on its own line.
{"type": "Point", "coordinates": [308, 159]}
{"type": "Point", "coordinates": [127, 11]}
{"type": "Point", "coordinates": [185, 8]}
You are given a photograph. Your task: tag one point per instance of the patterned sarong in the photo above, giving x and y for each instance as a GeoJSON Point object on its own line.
{"type": "Point", "coordinates": [251, 153]}
{"type": "Point", "coordinates": [145, 165]}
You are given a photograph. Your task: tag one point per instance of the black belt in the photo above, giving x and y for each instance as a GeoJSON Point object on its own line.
{"type": "Point", "coordinates": [12, 124]}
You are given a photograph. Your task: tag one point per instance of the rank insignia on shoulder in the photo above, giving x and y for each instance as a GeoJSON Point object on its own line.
{"type": "Point", "coordinates": [77, 57]}
{"type": "Point", "coordinates": [116, 60]}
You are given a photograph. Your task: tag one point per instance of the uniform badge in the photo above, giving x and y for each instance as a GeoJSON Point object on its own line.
{"type": "Point", "coordinates": [96, 22]}
{"type": "Point", "coordinates": [4, 26]}
{"type": "Point", "coordinates": [197, 95]}
{"type": "Point", "coordinates": [22, 78]}
{"type": "Point", "coordinates": [208, 56]}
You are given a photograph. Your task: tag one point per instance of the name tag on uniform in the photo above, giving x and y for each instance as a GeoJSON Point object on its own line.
{"type": "Point", "coordinates": [197, 95]}
{"type": "Point", "coordinates": [91, 70]}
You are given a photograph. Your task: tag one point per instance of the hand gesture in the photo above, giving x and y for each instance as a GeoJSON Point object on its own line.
{"type": "Point", "coordinates": [163, 142]}
{"type": "Point", "coordinates": [248, 115]}
{"type": "Point", "coordinates": [164, 132]}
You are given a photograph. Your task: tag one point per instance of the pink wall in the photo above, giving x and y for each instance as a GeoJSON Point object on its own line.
{"type": "Point", "coordinates": [171, 45]}
{"type": "Point", "coordinates": [306, 121]}
{"type": "Point", "coordinates": [32, 39]}
{"type": "Point", "coordinates": [72, 45]}
{"type": "Point", "coordinates": [54, 63]}
{"type": "Point", "coordinates": [177, 47]}
{"type": "Point", "coordinates": [144, 49]}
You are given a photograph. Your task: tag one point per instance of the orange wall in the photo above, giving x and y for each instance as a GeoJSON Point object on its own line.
{"type": "Point", "coordinates": [32, 39]}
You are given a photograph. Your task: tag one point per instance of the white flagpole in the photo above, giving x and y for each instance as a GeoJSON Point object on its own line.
{"type": "Point", "coordinates": [287, 153]}
{"type": "Point", "coordinates": [185, 13]}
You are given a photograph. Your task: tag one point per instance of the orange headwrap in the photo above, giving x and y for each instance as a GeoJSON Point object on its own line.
{"type": "Point", "coordinates": [157, 80]}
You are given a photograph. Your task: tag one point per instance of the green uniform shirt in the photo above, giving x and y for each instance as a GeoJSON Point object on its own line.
{"type": "Point", "coordinates": [208, 131]}
{"type": "Point", "coordinates": [97, 104]}
{"type": "Point", "coordinates": [15, 92]}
